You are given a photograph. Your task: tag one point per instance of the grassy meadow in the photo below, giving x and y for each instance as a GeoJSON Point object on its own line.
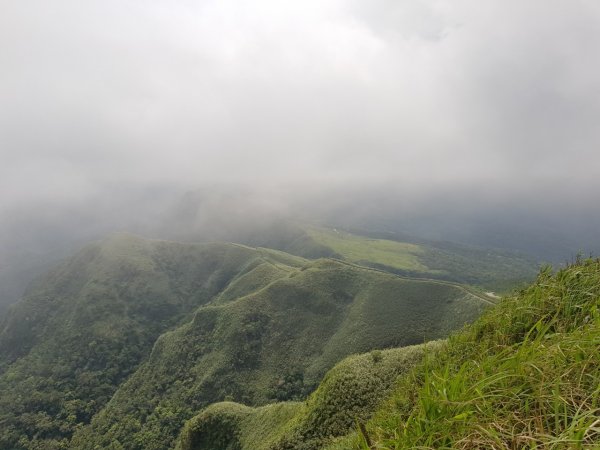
{"type": "Point", "coordinates": [488, 270]}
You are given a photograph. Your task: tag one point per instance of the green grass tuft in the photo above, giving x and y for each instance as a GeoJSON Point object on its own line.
{"type": "Point", "coordinates": [524, 376]}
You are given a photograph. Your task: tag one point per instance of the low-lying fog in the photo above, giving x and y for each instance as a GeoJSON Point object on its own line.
{"type": "Point", "coordinates": [468, 121]}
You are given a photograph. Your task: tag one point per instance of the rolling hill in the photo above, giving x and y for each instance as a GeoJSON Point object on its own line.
{"type": "Point", "coordinates": [273, 344]}
{"type": "Point", "coordinates": [488, 269]}
{"type": "Point", "coordinates": [524, 375]}
{"type": "Point", "coordinates": [121, 344]}
{"type": "Point", "coordinates": [85, 327]}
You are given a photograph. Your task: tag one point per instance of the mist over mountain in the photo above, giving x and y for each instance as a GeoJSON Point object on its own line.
{"type": "Point", "coordinates": [461, 122]}
{"type": "Point", "coordinates": [35, 236]}
{"type": "Point", "coordinates": [299, 225]}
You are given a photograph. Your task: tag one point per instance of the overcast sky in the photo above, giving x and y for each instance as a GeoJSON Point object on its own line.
{"type": "Point", "coordinates": [418, 96]}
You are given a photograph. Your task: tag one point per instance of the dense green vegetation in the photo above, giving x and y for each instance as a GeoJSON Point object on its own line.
{"type": "Point", "coordinates": [526, 375]}
{"type": "Point", "coordinates": [348, 394]}
{"type": "Point", "coordinates": [118, 346]}
{"type": "Point", "coordinates": [85, 327]}
{"type": "Point", "coordinates": [273, 344]}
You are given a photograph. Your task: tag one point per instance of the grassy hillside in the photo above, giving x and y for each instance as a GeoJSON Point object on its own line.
{"type": "Point", "coordinates": [397, 255]}
{"type": "Point", "coordinates": [273, 344]}
{"type": "Point", "coordinates": [86, 326]}
{"type": "Point", "coordinates": [525, 375]}
{"type": "Point", "coordinates": [488, 269]}
{"type": "Point", "coordinates": [120, 345]}
{"type": "Point", "coordinates": [348, 394]}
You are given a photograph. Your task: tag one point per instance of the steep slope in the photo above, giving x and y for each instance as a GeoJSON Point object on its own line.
{"type": "Point", "coordinates": [348, 394]}
{"type": "Point", "coordinates": [86, 326]}
{"type": "Point", "coordinates": [121, 344]}
{"type": "Point", "coordinates": [274, 344]}
{"type": "Point", "coordinates": [525, 375]}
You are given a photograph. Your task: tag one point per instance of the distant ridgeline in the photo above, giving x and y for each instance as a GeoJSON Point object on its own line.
{"type": "Point", "coordinates": [122, 344]}
{"type": "Point", "coordinates": [492, 270]}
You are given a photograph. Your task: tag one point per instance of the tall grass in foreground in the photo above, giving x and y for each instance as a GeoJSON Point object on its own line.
{"type": "Point", "coordinates": [524, 376]}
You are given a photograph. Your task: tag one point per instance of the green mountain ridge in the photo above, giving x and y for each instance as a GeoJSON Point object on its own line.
{"type": "Point", "coordinates": [496, 270]}
{"type": "Point", "coordinates": [84, 328]}
{"type": "Point", "coordinates": [121, 344]}
{"type": "Point", "coordinates": [524, 375]}
{"type": "Point", "coordinates": [273, 344]}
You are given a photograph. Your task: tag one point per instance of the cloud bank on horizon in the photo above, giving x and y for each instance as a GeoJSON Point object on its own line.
{"type": "Point", "coordinates": [424, 96]}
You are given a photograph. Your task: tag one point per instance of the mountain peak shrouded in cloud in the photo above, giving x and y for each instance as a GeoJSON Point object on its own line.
{"type": "Point", "coordinates": [429, 115]}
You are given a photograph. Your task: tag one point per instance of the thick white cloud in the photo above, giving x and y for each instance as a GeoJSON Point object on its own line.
{"type": "Point", "coordinates": [419, 96]}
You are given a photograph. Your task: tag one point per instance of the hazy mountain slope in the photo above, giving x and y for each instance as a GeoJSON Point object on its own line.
{"type": "Point", "coordinates": [83, 328]}
{"type": "Point", "coordinates": [349, 393]}
{"type": "Point", "coordinates": [491, 269]}
{"type": "Point", "coordinates": [274, 344]}
{"type": "Point", "coordinates": [162, 329]}
{"type": "Point", "coordinates": [494, 270]}
{"type": "Point", "coordinates": [497, 270]}
{"type": "Point", "coordinates": [525, 375]}
{"type": "Point", "coordinates": [290, 237]}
